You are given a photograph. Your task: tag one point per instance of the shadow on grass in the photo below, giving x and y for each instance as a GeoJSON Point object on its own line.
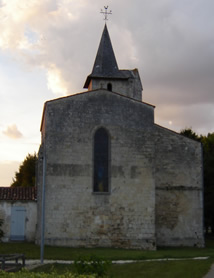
{"type": "Point", "coordinates": [32, 251]}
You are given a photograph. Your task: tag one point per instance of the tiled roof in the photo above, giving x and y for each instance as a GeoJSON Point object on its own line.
{"type": "Point", "coordinates": [18, 193]}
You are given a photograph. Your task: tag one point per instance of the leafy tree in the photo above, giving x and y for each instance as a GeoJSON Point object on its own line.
{"type": "Point", "coordinates": [188, 132]}
{"type": "Point", "coordinates": [208, 147]}
{"type": "Point", "coordinates": [27, 170]}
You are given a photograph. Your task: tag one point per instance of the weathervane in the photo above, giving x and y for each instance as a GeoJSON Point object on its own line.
{"type": "Point", "coordinates": [105, 12]}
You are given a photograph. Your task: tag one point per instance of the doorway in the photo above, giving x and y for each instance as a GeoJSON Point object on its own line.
{"type": "Point", "coordinates": [18, 216]}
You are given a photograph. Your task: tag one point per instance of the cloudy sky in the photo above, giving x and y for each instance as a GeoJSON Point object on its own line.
{"type": "Point", "coordinates": [48, 47]}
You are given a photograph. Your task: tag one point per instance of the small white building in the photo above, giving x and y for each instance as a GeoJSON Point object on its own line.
{"type": "Point", "coordinates": [18, 209]}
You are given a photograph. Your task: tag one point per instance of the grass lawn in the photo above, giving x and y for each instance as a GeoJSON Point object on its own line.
{"type": "Point", "coordinates": [185, 268]}
{"type": "Point", "coordinates": [166, 269]}
{"type": "Point", "coordinates": [32, 251]}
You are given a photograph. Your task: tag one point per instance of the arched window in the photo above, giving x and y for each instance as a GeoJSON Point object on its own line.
{"type": "Point", "coordinates": [109, 87]}
{"type": "Point", "coordinates": [101, 161]}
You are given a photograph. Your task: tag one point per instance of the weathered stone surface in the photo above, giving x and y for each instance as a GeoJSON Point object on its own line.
{"type": "Point", "coordinates": [74, 214]}
{"type": "Point", "coordinates": [130, 87]}
{"type": "Point", "coordinates": [179, 190]}
{"type": "Point", "coordinates": [155, 176]}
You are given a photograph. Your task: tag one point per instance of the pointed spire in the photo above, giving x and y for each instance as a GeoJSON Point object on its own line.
{"type": "Point", "coordinates": [105, 65]}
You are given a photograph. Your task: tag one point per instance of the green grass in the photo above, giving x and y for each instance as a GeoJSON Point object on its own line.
{"type": "Point", "coordinates": [32, 251]}
{"type": "Point", "coordinates": [166, 269]}
{"type": "Point", "coordinates": [169, 269]}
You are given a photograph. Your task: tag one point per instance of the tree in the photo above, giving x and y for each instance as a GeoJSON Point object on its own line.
{"type": "Point", "coordinates": [188, 132]}
{"type": "Point", "coordinates": [27, 171]}
{"type": "Point", "coordinates": [208, 147]}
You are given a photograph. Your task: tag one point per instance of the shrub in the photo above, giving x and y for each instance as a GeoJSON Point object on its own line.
{"type": "Point", "coordinates": [92, 265]}
{"type": "Point", "coordinates": [26, 274]}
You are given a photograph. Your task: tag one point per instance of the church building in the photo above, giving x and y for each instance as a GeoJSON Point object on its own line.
{"type": "Point", "coordinates": [112, 177]}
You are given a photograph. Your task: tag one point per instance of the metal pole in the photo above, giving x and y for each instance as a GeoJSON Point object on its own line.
{"type": "Point", "coordinates": [43, 206]}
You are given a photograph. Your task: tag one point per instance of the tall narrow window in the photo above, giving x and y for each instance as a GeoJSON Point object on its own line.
{"type": "Point", "coordinates": [101, 161]}
{"type": "Point", "coordinates": [109, 87]}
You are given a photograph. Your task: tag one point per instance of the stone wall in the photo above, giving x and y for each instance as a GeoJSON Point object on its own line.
{"type": "Point", "coordinates": [156, 189]}
{"type": "Point", "coordinates": [130, 87]}
{"type": "Point", "coordinates": [75, 216]}
{"type": "Point", "coordinates": [179, 189]}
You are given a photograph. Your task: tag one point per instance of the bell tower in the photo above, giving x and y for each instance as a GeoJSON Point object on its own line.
{"type": "Point", "coordinates": [106, 74]}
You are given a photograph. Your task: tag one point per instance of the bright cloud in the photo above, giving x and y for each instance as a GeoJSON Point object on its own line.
{"type": "Point", "coordinates": [171, 43]}
{"type": "Point", "coordinates": [55, 81]}
{"type": "Point", "coordinates": [12, 132]}
{"type": "Point", "coordinates": [43, 34]}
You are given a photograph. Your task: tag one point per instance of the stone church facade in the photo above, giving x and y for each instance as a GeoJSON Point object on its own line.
{"type": "Point", "coordinates": [114, 178]}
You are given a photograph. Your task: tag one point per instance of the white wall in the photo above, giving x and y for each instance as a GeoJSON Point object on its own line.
{"type": "Point", "coordinates": [30, 221]}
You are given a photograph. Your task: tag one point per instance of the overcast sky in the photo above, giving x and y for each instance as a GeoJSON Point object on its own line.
{"type": "Point", "coordinates": [48, 47]}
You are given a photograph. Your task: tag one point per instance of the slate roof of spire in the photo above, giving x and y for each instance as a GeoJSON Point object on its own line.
{"type": "Point", "coordinates": [18, 193]}
{"type": "Point", "coordinates": [105, 65]}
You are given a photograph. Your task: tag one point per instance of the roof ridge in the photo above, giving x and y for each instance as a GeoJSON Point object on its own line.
{"type": "Point", "coordinates": [18, 193]}
{"type": "Point", "coordinates": [91, 92]}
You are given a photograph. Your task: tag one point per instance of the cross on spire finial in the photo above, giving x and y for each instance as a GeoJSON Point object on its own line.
{"type": "Point", "coordinates": [105, 12]}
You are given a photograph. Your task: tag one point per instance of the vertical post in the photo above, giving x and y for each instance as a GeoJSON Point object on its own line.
{"type": "Point", "coordinates": [3, 264]}
{"type": "Point", "coordinates": [23, 260]}
{"type": "Point", "coordinates": [43, 206]}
